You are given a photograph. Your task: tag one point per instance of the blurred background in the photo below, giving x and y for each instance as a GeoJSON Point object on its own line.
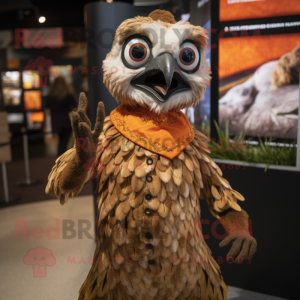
{"type": "Point", "coordinates": [50, 52]}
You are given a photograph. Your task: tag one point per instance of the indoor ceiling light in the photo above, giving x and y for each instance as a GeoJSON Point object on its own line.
{"type": "Point", "coordinates": [42, 19]}
{"type": "Point", "coordinates": [109, 1]}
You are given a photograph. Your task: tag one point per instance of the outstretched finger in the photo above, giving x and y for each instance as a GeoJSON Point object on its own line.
{"type": "Point", "coordinates": [245, 250]}
{"type": "Point", "coordinates": [253, 247]}
{"type": "Point", "coordinates": [236, 248]}
{"type": "Point", "coordinates": [84, 130]}
{"type": "Point", "coordinates": [226, 241]}
{"type": "Point", "coordinates": [84, 118]}
{"type": "Point", "coordinates": [99, 119]}
{"type": "Point", "coordinates": [74, 122]}
{"type": "Point", "coordinates": [82, 102]}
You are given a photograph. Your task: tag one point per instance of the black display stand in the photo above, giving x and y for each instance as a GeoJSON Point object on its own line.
{"type": "Point", "coordinates": [8, 200]}
{"type": "Point", "coordinates": [28, 181]}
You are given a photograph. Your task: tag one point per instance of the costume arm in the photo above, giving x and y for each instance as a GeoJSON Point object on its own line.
{"type": "Point", "coordinates": [223, 204]}
{"type": "Point", "coordinates": [72, 170]}
{"type": "Point", "coordinates": [67, 177]}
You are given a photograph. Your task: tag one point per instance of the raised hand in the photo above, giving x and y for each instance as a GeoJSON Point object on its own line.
{"type": "Point", "coordinates": [85, 139]}
{"type": "Point", "coordinates": [244, 245]}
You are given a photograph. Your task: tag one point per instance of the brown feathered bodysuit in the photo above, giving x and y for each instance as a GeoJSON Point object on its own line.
{"type": "Point", "coordinates": [149, 241]}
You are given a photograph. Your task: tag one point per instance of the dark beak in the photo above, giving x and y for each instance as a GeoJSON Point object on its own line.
{"type": "Point", "coordinates": [162, 78]}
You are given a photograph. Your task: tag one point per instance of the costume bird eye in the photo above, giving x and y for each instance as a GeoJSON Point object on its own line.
{"type": "Point", "coordinates": [136, 52]}
{"type": "Point", "coordinates": [188, 57]}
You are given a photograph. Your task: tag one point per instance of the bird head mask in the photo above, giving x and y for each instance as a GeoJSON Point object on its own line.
{"type": "Point", "coordinates": [157, 63]}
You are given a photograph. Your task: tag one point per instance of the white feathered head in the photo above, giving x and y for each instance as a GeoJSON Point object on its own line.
{"type": "Point", "coordinates": [158, 63]}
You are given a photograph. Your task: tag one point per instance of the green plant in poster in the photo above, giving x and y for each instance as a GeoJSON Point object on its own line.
{"type": "Point", "coordinates": [239, 149]}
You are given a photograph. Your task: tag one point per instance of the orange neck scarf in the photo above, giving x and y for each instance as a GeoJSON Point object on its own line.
{"type": "Point", "coordinates": [165, 134]}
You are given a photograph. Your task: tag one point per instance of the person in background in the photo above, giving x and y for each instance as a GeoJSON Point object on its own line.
{"type": "Point", "coordinates": [61, 101]}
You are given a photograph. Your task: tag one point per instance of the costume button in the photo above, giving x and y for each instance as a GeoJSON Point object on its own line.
{"type": "Point", "coordinates": [148, 196]}
{"type": "Point", "coordinates": [149, 236]}
{"type": "Point", "coordinates": [149, 161]}
{"type": "Point", "coordinates": [149, 178]}
{"type": "Point", "coordinates": [149, 246]}
{"type": "Point", "coordinates": [147, 212]}
{"type": "Point", "coordinates": [151, 262]}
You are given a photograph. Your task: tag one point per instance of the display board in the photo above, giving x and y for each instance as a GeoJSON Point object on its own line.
{"type": "Point", "coordinates": [22, 100]}
{"type": "Point", "coordinates": [12, 96]}
{"type": "Point", "coordinates": [33, 100]}
{"type": "Point", "coordinates": [255, 64]}
{"type": "Point", "coordinates": [31, 80]}
{"type": "Point", "coordinates": [11, 88]}
{"type": "Point", "coordinates": [259, 89]}
{"type": "Point", "coordinates": [232, 10]}
{"type": "Point", "coordinates": [35, 120]}
{"type": "Point", "coordinates": [258, 68]}
{"type": "Point", "coordinates": [11, 79]}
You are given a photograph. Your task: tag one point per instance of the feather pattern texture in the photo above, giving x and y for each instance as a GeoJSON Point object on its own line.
{"type": "Point", "coordinates": [179, 264]}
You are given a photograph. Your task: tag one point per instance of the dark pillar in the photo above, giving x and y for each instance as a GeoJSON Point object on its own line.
{"type": "Point", "coordinates": [3, 61]}
{"type": "Point", "coordinates": [3, 66]}
{"type": "Point", "coordinates": [101, 20]}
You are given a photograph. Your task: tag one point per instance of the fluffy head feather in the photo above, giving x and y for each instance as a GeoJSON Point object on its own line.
{"type": "Point", "coordinates": [166, 36]}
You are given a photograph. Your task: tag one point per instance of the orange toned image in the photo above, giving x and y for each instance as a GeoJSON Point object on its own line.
{"type": "Point", "coordinates": [37, 117]}
{"type": "Point", "coordinates": [243, 53]}
{"type": "Point", "coordinates": [31, 80]}
{"type": "Point", "coordinates": [259, 85]}
{"type": "Point", "coordinates": [33, 100]}
{"type": "Point", "coordinates": [232, 10]}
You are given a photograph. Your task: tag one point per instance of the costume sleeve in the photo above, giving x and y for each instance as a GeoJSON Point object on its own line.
{"type": "Point", "coordinates": [213, 187]}
{"type": "Point", "coordinates": [67, 177]}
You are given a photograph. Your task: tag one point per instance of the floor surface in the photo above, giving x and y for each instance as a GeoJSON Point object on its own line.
{"type": "Point", "coordinates": [40, 167]}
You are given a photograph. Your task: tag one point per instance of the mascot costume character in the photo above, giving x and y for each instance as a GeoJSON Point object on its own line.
{"type": "Point", "coordinates": [152, 168]}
